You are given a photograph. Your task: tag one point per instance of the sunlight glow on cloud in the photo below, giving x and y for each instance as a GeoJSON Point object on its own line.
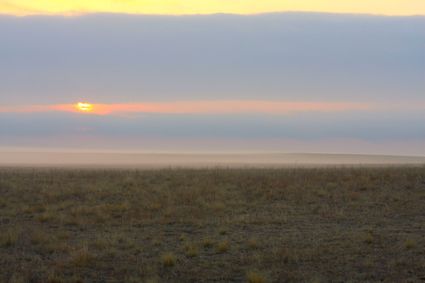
{"type": "Point", "coordinates": [193, 107]}
{"type": "Point", "coordinates": [180, 7]}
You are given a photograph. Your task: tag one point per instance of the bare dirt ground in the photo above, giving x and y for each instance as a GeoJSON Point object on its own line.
{"type": "Point", "coordinates": [213, 225]}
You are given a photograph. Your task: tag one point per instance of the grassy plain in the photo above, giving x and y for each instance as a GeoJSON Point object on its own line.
{"type": "Point", "coordinates": [213, 225]}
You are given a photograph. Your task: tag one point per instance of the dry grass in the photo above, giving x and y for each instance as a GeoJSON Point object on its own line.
{"type": "Point", "coordinates": [168, 259]}
{"type": "Point", "coordinates": [8, 238]}
{"type": "Point", "coordinates": [255, 277]}
{"type": "Point", "coordinates": [81, 257]}
{"type": "Point", "coordinates": [192, 250]}
{"type": "Point", "coordinates": [223, 246]}
{"type": "Point", "coordinates": [293, 225]}
{"type": "Point", "coordinates": [252, 243]}
{"type": "Point", "coordinates": [207, 243]}
{"type": "Point", "coordinates": [410, 244]}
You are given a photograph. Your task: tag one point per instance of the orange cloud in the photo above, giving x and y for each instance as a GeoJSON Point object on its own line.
{"type": "Point", "coordinates": [198, 107]}
{"type": "Point", "coordinates": [223, 107]}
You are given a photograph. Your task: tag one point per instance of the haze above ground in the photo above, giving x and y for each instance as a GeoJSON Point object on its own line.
{"type": "Point", "coordinates": [196, 160]}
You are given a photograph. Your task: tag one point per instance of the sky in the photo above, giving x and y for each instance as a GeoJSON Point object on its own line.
{"type": "Point", "coordinates": [335, 81]}
{"type": "Point", "coordinates": [189, 7]}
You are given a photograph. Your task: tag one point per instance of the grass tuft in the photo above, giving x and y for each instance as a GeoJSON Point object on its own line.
{"type": "Point", "coordinates": [223, 246]}
{"type": "Point", "coordinates": [81, 257]}
{"type": "Point", "coordinates": [255, 277]}
{"type": "Point", "coordinates": [252, 243]}
{"type": "Point", "coordinates": [191, 250]}
{"type": "Point", "coordinates": [168, 259]}
{"type": "Point", "coordinates": [410, 244]}
{"type": "Point", "coordinates": [8, 238]}
{"type": "Point", "coordinates": [207, 243]}
{"type": "Point", "coordinates": [368, 238]}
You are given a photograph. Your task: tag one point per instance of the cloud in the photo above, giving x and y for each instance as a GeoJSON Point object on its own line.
{"type": "Point", "coordinates": [196, 107]}
{"type": "Point", "coordinates": [179, 7]}
{"type": "Point", "coordinates": [232, 107]}
{"type": "Point", "coordinates": [389, 133]}
{"type": "Point", "coordinates": [307, 57]}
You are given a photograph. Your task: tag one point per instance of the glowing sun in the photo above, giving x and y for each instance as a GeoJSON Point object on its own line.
{"type": "Point", "coordinates": [84, 106]}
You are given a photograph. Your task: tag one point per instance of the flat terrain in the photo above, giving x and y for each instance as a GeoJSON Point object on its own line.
{"type": "Point", "coordinates": [193, 160]}
{"type": "Point", "coordinates": [213, 225]}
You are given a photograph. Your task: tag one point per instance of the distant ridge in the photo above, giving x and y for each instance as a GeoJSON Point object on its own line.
{"type": "Point", "coordinates": [158, 160]}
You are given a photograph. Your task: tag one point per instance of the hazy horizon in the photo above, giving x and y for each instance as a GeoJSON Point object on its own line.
{"type": "Point", "coordinates": [196, 160]}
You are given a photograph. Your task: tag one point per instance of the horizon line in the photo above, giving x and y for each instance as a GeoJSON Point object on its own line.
{"type": "Point", "coordinates": [70, 150]}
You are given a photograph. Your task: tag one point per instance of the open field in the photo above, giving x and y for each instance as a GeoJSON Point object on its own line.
{"type": "Point", "coordinates": [213, 225]}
